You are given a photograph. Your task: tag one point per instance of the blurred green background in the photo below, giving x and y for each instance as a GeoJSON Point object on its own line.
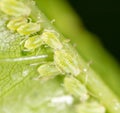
{"type": "Point", "coordinates": [101, 17]}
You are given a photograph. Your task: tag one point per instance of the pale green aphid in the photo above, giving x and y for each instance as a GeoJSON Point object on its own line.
{"type": "Point", "coordinates": [76, 88]}
{"type": "Point", "coordinates": [65, 61]}
{"type": "Point", "coordinates": [51, 38]}
{"type": "Point", "coordinates": [48, 70]}
{"type": "Point", "coordinates": [29, 28]}
{"type": "Point", "coordinates": [14, 8]}
{"type": "Point", "coordinates": [15, 23]}
{"type": "Point", "coordinates": [90, 107]}
{"type": "Point", "coordinates": [33, 42]}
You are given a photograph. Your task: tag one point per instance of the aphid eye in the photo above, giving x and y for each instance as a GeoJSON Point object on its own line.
{"type": "Point", "coordinates": [51, 38]}
{"type": "Point", "coordinates": [29, 28]}
{"type": "Point", "coordinates": [14, 24]}
{"type": "Point", "coordinates": [14, 8]}
{"type": "Point", "coordinates": [33, 42]}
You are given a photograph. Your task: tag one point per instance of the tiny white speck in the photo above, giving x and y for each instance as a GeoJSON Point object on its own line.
{"type": "Point", "coordinates": [85, 70]}
{"type": "Point", "coordinates": [25, 73]}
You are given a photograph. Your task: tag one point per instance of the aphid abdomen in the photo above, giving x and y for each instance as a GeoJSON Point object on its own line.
{"type": "Point", "coordinates": [28, 28]}
{"type": "Point", "coordinates": [90, 107]}
{"type": "Point", "coordinates": [14, 24]}
{"type": "Point", "coordinates": [76, 88]}
{"type": "Point", "coordinates": [14, 8]}
{"type": "Point", "coordinates": [51, 38]}
{"type": "Point", "coordinates": [33, 42]}
{"type": "Point", "coordinates": [48, 70]}
{"type": "Point", "coordinates": [64, 60]}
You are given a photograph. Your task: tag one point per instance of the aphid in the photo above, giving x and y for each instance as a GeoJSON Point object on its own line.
{"type": "Point", "coordinates": [33, 42]}
{"type": "Point", "coordinates": [51, 38]}
{"type": "Point", "coordinates": [29, 28]}
{"type": "Point", "coordinates": [14, 8]}
{"type": "Point", "coordinates": [66, 62]}
{"type": "Point", "coordinates": [15, 23]}
{"type": "Point", "coordinates": [48, 70]}
{"type": "Point", "coordinates": [90, 107]}
{"type": "Point", "coordinates": [76, 88]}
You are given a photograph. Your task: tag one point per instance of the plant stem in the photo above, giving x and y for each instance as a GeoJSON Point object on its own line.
{"type": "Point", "coordinates": [100, 91]}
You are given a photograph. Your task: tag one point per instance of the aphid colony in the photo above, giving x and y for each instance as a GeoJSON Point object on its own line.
{"type": "Point", "coordinates": [22, 23]}
{"type": "Point", "coordinates": [65, 60]}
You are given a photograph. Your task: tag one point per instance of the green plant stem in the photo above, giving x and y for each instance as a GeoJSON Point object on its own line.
{"type": "Point", "coordinates": [100, 90]}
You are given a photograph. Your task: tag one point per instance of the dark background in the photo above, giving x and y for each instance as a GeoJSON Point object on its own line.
{"type": "Point", "coordinates": [102, 17]}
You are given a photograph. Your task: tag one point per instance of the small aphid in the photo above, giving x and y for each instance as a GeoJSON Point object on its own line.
{"type": "Point", "coordinates": [14, 24]}
{"type": "Point", "coordinates": [48, 70]}
{"type": "Point", "coordinates": [33, 42]}
{"type": "Point", "coordinates": [66, 62]}
{"type": "Point", "coordinates": [90, 107]}
{"type": "Point", "coordinates": [29, 28]}
{"type": "Point", "coordinates": [51, 38]}
{"type": "Point", "coordinates": [14, 8]}
{"type": "Point", "coordinates": [76, 88]}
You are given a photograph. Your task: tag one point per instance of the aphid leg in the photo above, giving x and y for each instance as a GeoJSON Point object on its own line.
{"type": "Point", "coordinates": [52, 21]}
{"type": "Point", "coordinates": [85, 70]}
